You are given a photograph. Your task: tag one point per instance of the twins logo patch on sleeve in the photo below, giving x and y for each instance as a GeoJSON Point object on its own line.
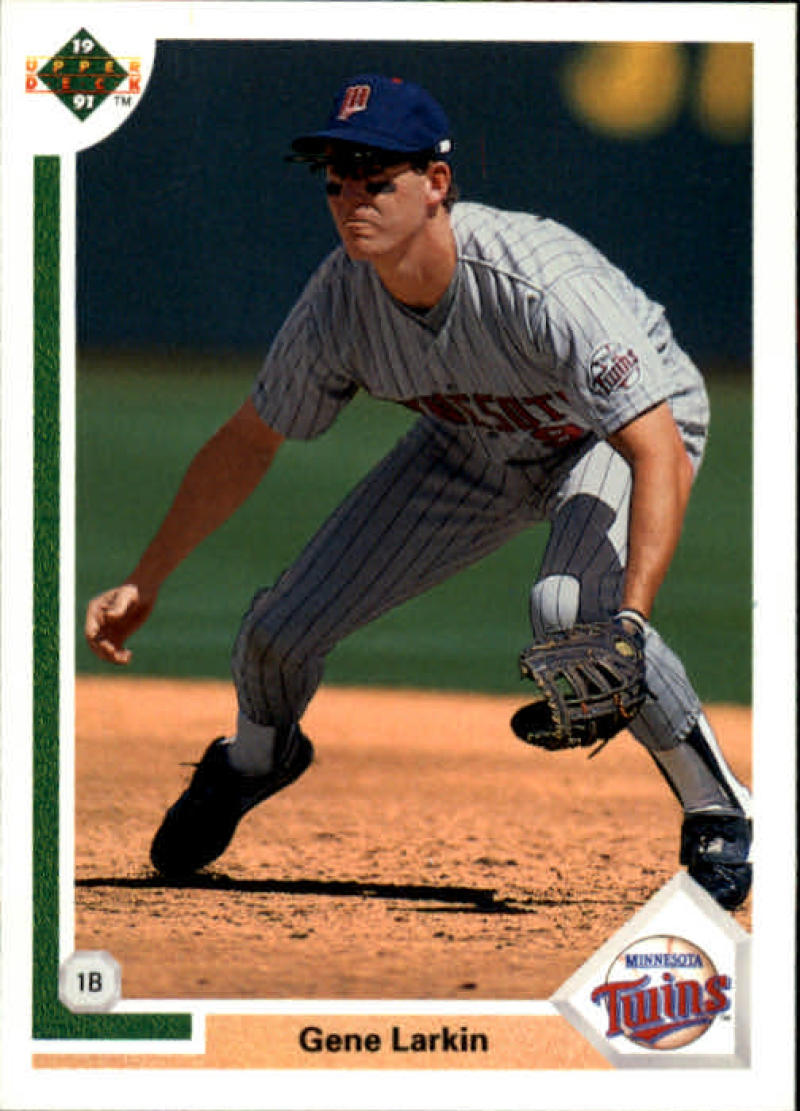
{"type": "Point", "coordinates": [614, 366]}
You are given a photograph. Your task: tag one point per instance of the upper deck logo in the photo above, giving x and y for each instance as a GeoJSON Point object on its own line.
{"type": "Point", "coordinates": [83, 75]}
{"type": "Point", "coordinates": [613, 367]}
{"type": "Point", "coordinates": [663, 993]}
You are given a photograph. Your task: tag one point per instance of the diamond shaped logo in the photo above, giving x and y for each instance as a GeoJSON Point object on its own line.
{"type": "Point", "coordinates": [82, 74]}
{"type": "Point", "coordinates": [670, 989]}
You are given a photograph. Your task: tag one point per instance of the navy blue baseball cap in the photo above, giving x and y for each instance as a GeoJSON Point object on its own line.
{"type": "Point", "coordinates": [381, 113]}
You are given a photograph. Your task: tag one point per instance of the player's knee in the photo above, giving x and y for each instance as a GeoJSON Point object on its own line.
{"type": "Point", "coordinates": [276, 649]}
{"type": "Point", "coordinates": [555, 603]}
{"type": "Point", "coordinates": [264, 637]}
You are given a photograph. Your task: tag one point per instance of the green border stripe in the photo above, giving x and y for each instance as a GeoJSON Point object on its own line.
{"type": "Point", "coordinates": [45, 578]}
{"type": "Point", "coordinates": [50, 1018]}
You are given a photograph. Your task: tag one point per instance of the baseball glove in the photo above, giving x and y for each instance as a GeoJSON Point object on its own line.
{"type": "Point", "coordinates": [591, 683]}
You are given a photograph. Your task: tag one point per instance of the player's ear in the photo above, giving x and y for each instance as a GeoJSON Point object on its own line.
{"type": "Point", "coordinates": [439, 177]}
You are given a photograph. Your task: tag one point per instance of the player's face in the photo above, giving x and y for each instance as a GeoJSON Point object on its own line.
{"type": "Point", "coordinates": [378, 210]}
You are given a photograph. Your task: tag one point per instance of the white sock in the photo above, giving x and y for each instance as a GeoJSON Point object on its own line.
{"type": "Point", "coordinates": [252, 750]}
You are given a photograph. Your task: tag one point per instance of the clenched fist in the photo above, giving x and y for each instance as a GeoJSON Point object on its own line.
{"type": "Point", "coordinates": [112, 617]}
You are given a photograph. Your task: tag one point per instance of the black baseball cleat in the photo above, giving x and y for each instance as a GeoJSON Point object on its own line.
{"type": "Point", "coordinates": [199, 826]}
{"type": "Point", "coordinates": [715, 849]}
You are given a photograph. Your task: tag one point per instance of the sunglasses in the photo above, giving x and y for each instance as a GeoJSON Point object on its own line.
{"type": "Point", "coordinates": [372, 188]}
{"type": "Point", "coordinates": [361, 164]}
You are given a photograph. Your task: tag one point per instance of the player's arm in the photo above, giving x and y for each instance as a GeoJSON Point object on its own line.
{"type": "Point", "coordinates": [662, 480]}
{"type": "Point", "coordinates": [219, 479]}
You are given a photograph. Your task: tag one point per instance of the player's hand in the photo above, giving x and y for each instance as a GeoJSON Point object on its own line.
{"type": "Point", "coordinates": [112, 617]}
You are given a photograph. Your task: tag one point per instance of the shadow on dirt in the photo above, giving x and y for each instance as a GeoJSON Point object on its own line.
{"type": "Point", "coordinates": [481, 900]}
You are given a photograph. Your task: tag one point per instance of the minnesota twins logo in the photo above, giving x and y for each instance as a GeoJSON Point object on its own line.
{"type": "Point", "coordinates": [82, 75]}
{"type": "Point", "coordinates": [613, 367]}
{"type": "Point", "coordinates": [663, 993]}
{"type": "Point", "coordinates": [355, 99]}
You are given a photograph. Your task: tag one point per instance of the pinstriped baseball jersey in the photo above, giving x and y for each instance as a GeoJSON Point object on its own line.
{"type": "Point", "coordinates": [539, 343]}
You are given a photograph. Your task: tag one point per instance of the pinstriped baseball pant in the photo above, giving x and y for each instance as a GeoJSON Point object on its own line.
{"type": "Point", "coordinates": [434, 505]}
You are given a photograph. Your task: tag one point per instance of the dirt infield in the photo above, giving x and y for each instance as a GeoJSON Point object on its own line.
{"type": "Point", "coordinates": [426, 854]}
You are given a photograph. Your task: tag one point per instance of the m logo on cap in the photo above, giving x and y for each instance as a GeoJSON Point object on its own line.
{"type": "Point", "coordinates": [355, 99]}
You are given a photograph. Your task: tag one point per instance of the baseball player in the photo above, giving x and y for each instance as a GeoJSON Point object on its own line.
{"type": "Point", "coordinates": [549, 388]}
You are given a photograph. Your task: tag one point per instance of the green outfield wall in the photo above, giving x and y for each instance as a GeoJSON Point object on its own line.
{"type": "Point", "coordinates": [139, 420]}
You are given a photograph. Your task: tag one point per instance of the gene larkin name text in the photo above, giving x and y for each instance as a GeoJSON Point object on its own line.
{"type": "Point", "coordinates": [447, 1039]}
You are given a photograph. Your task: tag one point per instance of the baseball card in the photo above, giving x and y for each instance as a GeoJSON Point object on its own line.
{"type": "Point", "coordinates": [398, 556]}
